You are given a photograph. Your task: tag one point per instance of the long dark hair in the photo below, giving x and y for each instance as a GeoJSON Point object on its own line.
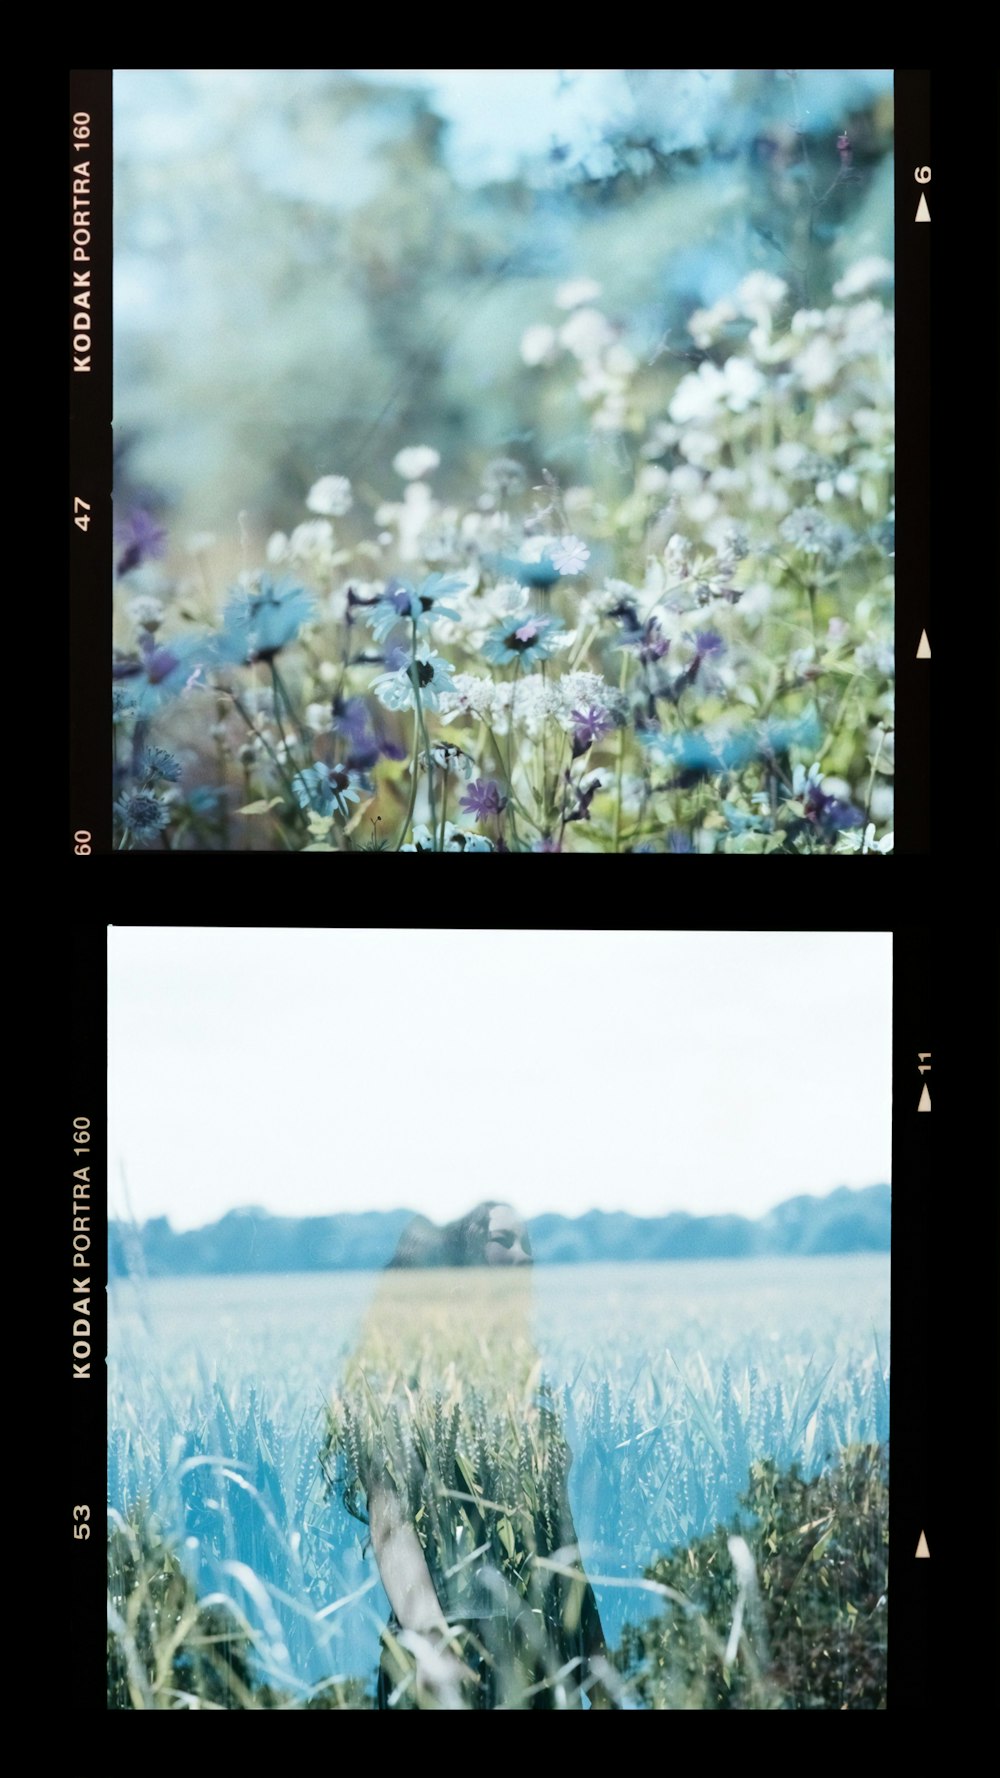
{"type": "Point", "coordinates": [458, 1243]}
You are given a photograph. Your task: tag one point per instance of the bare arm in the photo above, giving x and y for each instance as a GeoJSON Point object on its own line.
{"type": "Point", "coordinates": [441, 1675]}
{"type": "Point", "coordinates": [597, 1667]}
{"type": "Point", "coordinates": [402, 1563]}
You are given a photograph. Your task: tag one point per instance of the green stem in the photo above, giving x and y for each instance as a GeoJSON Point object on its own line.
{"type": "Point", "coordinates": [444, 807]}
{"type": "Point", "coordinates": [430, 762]}
{"type": "Point", "coordinates": [871, 781]}
{"type": "Point", "coordinates": [277, 706]}
{"type": "Point", "coordinates": [621, 759]}
{"type": "Point", "coordinates": [280, 685]}
{"type": "Point", "coordinates": [248, 798]}
{"type": "Point", "coordinates": [510, 757]}
{"type": "Point", "coordinates": [413, 787]}
{"type": "Point", "coordinates": [275, 761]}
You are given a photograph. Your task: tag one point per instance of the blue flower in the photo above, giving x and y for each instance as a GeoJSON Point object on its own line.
{"type": "Point", "coordinates": [428, 672]}
{"type": "Point", "coordinates": [327, 789]}
{"type": "Point", "coordinates": [162, 669]}
{"type": "Point", "coordinates": [698, 750]}
{"type": "Point", "coordinates": [543, 573]}
{"type": "Point", "coordinates": [142, 815]}
{"type": "Point", "coordinates": [421, 605]}
{"type": "Point", "coordinates": [522, 637]}
{"type": "Point", "coordinates": [258, 623]}
{"type": "Point", "coordinates": [156, 762]}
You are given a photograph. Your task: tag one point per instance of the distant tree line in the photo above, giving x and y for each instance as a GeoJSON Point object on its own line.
{"type": "Point", "coordinates": [252, 1240]}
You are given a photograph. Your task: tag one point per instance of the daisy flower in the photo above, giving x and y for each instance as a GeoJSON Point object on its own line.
{"type": "Point", "coordinates": [331, 495]}
{"type": "Point", "coordinates": [570, 555]}
{"type": "Point", "coordinates": [427, 672]}
{"type": "Point", "coordinates": [327, 789]}
{"type": "Point", "coordinates": [523, 638]}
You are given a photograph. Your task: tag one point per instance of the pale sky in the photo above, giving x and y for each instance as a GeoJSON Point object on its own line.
{"type": "Point", "coordinates": [313, 1071]}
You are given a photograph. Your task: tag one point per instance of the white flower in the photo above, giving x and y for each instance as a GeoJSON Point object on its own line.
{"type": "Point", "coordinates": [761, 291]}
{"type": "Point", "coordinates": [619, 360]}
{"type": "Point", "coordinates": [277, 547]}
{"type": "Point", "coordinates": [319, 717]}
{"type": "Point", "coordinates": [534, 548]}
{"type": "Point", "coordinates": [538, 343]}
{"type": "Point", "coordinates": [706, 324]}
{"type": "Point", "coordinates": [575, 292]}
{"type": "Point", "coordinates": [806, 321]}
{"type": "Point", "coordinates": [586, 333]}
{"type": "Point", "coordinates": [685, 479]}
{"type": "Point", "coordinates": [610, 416]}
{"type": "Point", "coordinates": [852, 841]}
{"type": "Point", "coordinates": [456, 839]}
{"type": "Point", "coordinates": [816, 364]}
{"type": "Point", "coordinates": [743, 383]}
{"type": "Point", "coordinates": [415, 511]}
{"type": "Point", "coordinates": [828, 422]}
{"type": "Point", "coordinates": [596, 382]}
{"type": "Point", "coordinates": [471, 696]}
{"type": "Point", "coordinates": [677, 554]}
{"type": "Point", "coordinates": [653, 479]}
{"type": "Point", "coordinates": [570, 555]}
{"type": "Point", "coordinates": [698, 396]}
{"type": "Point", "coordinates": [702, 507]}
{"type": "Point", "coordinates": [846, 483]}
{"type": "Point", "coordinates": [788, 456]}
{"type": "Point", "coordinates": [331, 495]}
{"type": "Point", "coordinates": [146, 612]}
{"type": "Point", "coordinates": [312, 540]}
{"type": "Point", "coordinates": [862, 275]}
{"type": "Point", "coordinates": [415, 461]}
{"type": "Point", "coordinates": [699, 447]}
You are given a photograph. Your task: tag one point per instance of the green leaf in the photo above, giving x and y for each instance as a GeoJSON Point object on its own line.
{"type": "Point", "coordinates": [261, 808]}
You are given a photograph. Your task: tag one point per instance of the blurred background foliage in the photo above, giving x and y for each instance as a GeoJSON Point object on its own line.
{"type": "Point", "coordinates": [315, 268]}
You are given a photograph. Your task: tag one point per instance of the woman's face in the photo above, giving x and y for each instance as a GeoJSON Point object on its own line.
{"type": "Point", "coordinates": [507, 1242]}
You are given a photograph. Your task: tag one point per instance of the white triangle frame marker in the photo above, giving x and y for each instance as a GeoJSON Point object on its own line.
{"type": "Point", "coordinates": [923, 214]}
{"type": "Point", "coordinates": [922, 1549]}
{"type": "Point", "coordinates": [923, 647]}
{"type": "Point", "coordinates": [925, 1100]}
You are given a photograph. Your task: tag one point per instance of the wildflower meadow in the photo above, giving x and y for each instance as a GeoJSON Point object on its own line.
{"type": "Point", "coordinates": [648, 607]}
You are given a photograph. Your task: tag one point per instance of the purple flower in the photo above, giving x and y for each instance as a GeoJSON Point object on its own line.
{"type": "Point", "coordinates": [483, 799]}
{"type": "Point", "coordinates": [707, 643]}
{"type": "Point", "coordinates": [588, 727]}
{"type": "Point", "coordinates": [830, 813]}
{"type": "Point", "coordinates": [678, 841]}
{"type": "Point", "coordinates": [142, 539]}
{"type": "Point", "coordinates": [366, 739]}
{"type": "Point", "coordinates": [652, 644]}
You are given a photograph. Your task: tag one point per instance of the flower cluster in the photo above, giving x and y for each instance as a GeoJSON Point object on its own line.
{"type": "Point", "coordinates": [688, 650]}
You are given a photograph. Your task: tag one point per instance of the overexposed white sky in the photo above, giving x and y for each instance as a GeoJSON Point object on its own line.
{"type": "Point", "coordinates": [313, 1071]}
